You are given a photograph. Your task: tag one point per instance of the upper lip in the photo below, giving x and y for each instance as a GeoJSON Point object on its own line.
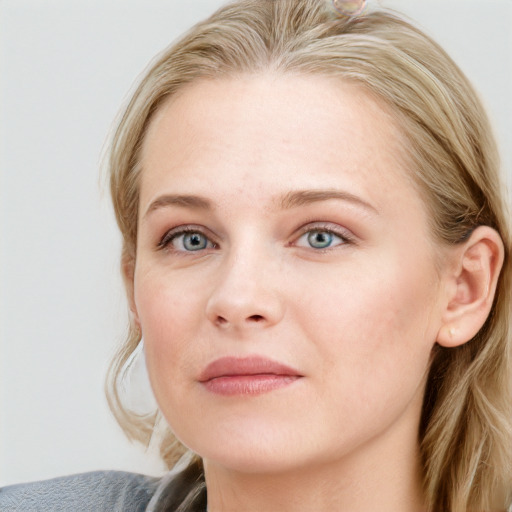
{"type": "Point", "coordinates": [236, 366]}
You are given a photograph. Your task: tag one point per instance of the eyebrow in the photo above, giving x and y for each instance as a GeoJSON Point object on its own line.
{"type": "Point", "coordinates": [290, 200]}
{"type": "Point", "coordinates": [185, 201]}
{"type": "Point", "coordinates": [305, 197]}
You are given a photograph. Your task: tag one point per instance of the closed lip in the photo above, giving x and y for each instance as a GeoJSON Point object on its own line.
{"type": "Point", "coordinates": [245, 366]}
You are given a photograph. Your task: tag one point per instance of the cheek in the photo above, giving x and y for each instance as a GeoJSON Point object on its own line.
{"type": "Point", "coordinates": [166, 306]}
{"type": "Point", "coordinates": [371, 300]}
{"type": "Point", "coordinates": [169, 319]}
{"type": "Point", "coordinates": [376, 326]}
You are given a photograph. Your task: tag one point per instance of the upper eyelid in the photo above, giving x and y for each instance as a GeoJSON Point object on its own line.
{"type": "Point", "coordinates": [330, 227]}
{"type": "Point", "coordinates": [344, 239]}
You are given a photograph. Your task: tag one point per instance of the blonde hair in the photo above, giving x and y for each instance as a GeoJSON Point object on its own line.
{"type": "Point", "coordinates": [465, 434]}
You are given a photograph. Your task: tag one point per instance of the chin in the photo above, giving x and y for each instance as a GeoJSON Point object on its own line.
{"type": "Point", "coordinates": [255, 460]}
{"type": "Point", "coordinates": [254, 450]}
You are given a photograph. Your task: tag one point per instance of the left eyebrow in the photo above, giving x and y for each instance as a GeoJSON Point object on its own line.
{"type": "Point", "coordinates": [305, 197]}
{"type": "Point", "coordinates": [183, 201]}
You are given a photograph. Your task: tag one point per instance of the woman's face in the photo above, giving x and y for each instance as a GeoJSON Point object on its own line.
{"type": "Point", "coordinates": [285, 281]}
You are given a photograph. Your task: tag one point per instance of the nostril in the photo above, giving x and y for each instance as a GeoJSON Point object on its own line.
{"type": "Point", "coordinates": [221, 320]}
{"type": "Point", "coordinates": [255, 318]}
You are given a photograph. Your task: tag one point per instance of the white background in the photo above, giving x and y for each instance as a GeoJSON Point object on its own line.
{"type": "Point", "coordinates": [66, 67]}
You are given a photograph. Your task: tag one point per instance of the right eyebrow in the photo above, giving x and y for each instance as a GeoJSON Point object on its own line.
{"type": "Point", "coordinates": [303, 197]}
{"type": "Point", "coordinates": [186, 201]}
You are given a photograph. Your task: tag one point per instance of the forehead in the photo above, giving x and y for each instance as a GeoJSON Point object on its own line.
{"type": "Point", "coordinates": [295, 132]}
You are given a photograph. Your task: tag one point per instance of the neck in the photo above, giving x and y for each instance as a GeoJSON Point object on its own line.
{"type": "Point", "coordinates": [383, 475]}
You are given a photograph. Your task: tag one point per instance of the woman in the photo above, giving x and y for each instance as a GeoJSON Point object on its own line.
{"type": "Point", "coordinates": [316, 254]}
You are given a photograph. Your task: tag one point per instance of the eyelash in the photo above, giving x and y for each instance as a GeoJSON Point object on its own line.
{"type": "Point", "coordinates": [343, 235]}
{"type": "Point", "coordinates": [175, 233]}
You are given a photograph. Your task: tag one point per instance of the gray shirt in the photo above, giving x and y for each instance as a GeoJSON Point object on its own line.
{"type": "Point", "coordinates": [181, 490]}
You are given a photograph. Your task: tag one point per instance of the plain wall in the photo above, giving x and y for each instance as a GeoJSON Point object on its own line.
{"type": "Point", "coordinates": [66, 68]}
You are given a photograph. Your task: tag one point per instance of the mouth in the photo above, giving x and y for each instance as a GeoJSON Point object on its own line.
{"type": "Point", "coordinates": [230, 376]}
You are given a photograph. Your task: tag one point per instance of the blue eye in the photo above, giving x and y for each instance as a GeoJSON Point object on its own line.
{"type": "Point", "coordinates": [194, 241]}
{"type": "Point", "coordinates": [320, 239]}
{"type": "Point", "coordinates": [186, 241]}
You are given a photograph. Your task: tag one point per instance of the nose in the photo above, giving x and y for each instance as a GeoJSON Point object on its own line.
{"type": "Point", "coordinates": [246, 294]}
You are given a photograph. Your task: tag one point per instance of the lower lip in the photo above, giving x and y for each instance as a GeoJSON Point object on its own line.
{"type": "Point", "coordinates": [248, 384]}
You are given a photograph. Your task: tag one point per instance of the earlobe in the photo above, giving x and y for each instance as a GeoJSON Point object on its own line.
{"type": "Point", "coordinates": [475, 277]}
{"type": "Point", "coordinates": [128, 272]}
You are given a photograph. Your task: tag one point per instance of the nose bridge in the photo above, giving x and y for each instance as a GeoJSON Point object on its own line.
{"type": "Point", "coordinates": [245, 291]}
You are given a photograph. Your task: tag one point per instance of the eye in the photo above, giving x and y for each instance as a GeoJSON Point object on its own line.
{"type": "Point", "coordinates": [192, 241]}
{"type": "Point", "coordinates": [320, 239]}
{"type": "Point", "coordinates": [186, 241]}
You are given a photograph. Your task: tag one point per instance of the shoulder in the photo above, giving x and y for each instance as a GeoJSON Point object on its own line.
{"type": "Point", "coordinates": [96, 491]}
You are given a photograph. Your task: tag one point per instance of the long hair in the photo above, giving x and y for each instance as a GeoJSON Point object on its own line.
{"type": "Point", "coordinates": [465, 435]}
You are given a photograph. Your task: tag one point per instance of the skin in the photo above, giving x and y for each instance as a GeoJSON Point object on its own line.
{"type": "Point", "coordinates": [357, 319]}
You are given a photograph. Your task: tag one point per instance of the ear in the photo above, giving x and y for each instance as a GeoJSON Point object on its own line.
{"type": "Point", "coordinates": [128, 272]}
{"type": "Point", "coordinates": [476, 269]}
